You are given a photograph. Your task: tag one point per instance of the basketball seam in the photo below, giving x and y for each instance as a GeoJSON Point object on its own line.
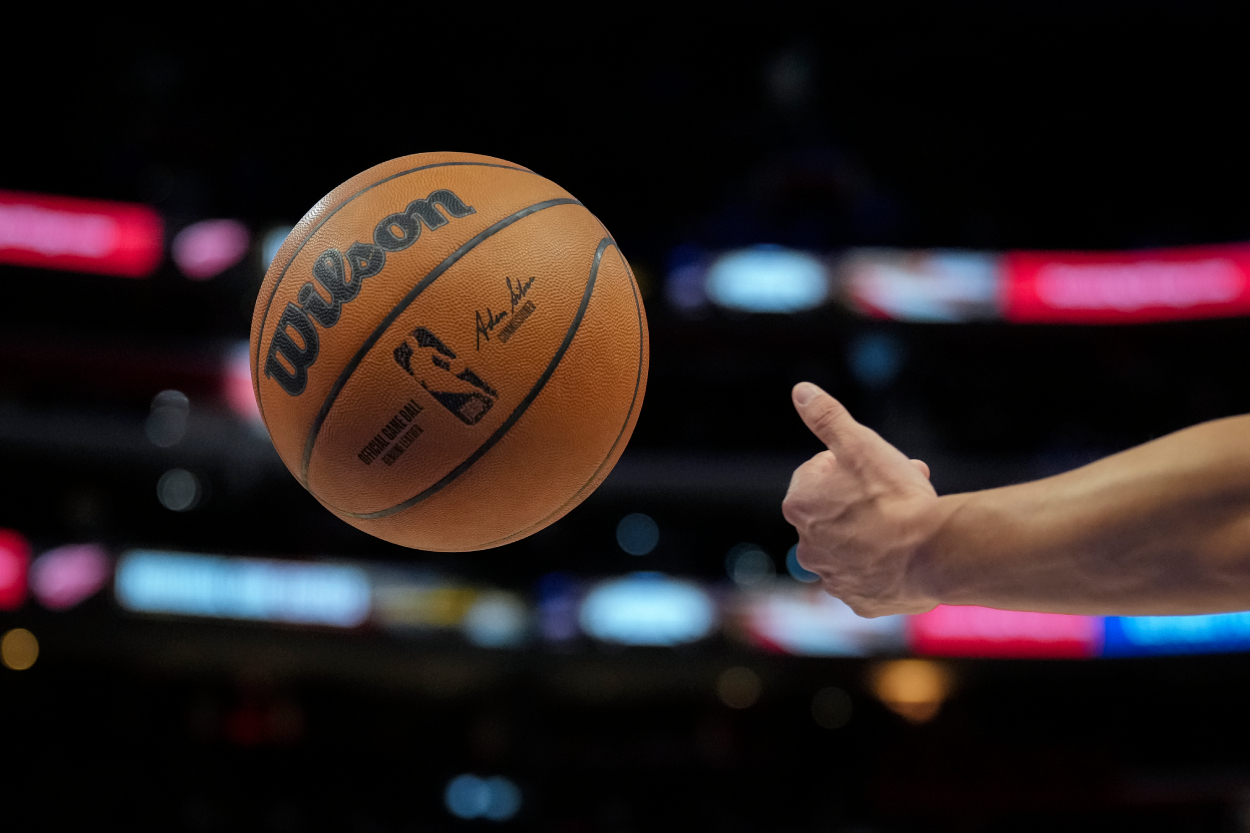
{"type": "Point", "coordinates": [350, 368]}
{"type": "Point", "coordinates": [517, 413]}
{"type": "Point", "coordinates": [269, 302]}
{"type": "Point", "coordinates": [629, 414]}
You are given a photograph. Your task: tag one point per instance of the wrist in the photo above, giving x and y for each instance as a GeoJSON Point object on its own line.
{"type": "Point", "coordinates": [929, 570]}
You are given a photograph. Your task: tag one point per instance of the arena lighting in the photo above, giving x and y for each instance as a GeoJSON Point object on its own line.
{"type": "Point", "coordinates": [796, 569]}
{"type": "Point", "coordinates": [1127, 287]}
{"type": "Point", "coordinates": [270, 242]}
{"type": "Point", "coordinates": [912, 688]}
{"type": "Point", "coordinates": [19, 649]}
{"type": "Point", "coordinates": [637, 534]}
{"type": "Point", "coordinates": [647, 609]}
{"type": "Point", "coordinates": [150, 581]}
{"type": "Point", "coordinates": [471, 797]}
{"type": "Point", "coordinates": [793, 618]}
{"type": "Point", "coordinates": [497, 619]}
{"type": "Point", "coordinates": [14, 562]}
{"type": "Point", "coordinates": [67, 576]}
{"type": "Point", "coordinates": [179, 490]}
{"type": "Point", "coordinates": [558, 597]}
{"type": "Point", "coordinates": [749, 566]}
{"type": "Point", "coordinates": [968, 631]}
{"type": "Point", "coordinates": [205, 249]}
{"type": "Point", "coordinates": [236, 384]}
{"type": "Point", "coordinates": [875, 359]}
{"type": "Point", "coordinates": [417, 602]}
{"type": "Point", "coordinates": [832, 707]}
{"type": "Point", "coordinates": [767, 279]}
{"type": "Point", "coordinates": [1145, 635]}
{"type": "Point", "coordinates": [739, 688]}
{"type": "Point", "coordinates": [76, 235]}
{"type": "Point", "coordinates": [929, 286]}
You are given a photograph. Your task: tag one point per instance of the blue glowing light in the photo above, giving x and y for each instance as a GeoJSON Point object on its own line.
{"type": "Point", "coordinates": [497, 620]}
{"type": "Point", "coordinates": [767, 279]}
{"type": "Point", "coordinates": [470, 797]}
{"type": "Point", "coordinates": [796, 569]}
{"type": "Point", "coordinates": [876, 359]}
{"type": "Point", "coordinates": [149, 581]}
{"type": "Point", "coordinates": [1210, 633]}
{"type": "Point", "coordinates": [272, 242]}
{"type": "Point", "coordinates": [647, 609]}
{"type": "Point", "coordinates": [637, 534]}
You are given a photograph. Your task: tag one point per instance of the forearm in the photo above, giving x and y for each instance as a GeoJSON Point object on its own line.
{"type": "Point", "coordinates": [1160, 528]}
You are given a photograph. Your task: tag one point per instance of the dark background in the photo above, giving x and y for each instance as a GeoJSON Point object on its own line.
{"type": "Point", "coordinates": [1061, 126]}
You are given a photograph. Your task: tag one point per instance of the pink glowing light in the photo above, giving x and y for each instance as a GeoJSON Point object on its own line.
{"type": "Point", "coordinates": [110, 238]}
{"type": "Point", "coordinates": [967, 631]}
{"type": "Point", "coordinates": [206, 249]}
{"type": "Point", "coordinates": [66, 576]}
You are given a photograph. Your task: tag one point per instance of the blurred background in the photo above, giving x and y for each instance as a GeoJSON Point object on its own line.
{"type": "Point", "coordinates": [1012, 241]}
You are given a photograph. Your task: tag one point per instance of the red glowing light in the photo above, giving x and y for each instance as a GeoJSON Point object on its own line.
{"type": "Point", "coordinates": [966, 631]}
{"type": "Point", "coordinates": [14, 562]}
{"type": "Point", "coordinates": [109, 238]}
{"type": "Point", "coordinates": [1125, 287]}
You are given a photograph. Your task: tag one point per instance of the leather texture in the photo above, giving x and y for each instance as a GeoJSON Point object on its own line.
{"type": "Point", "coordinates": [476, 388]}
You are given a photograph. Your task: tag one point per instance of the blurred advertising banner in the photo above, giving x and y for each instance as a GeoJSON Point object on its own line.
{"type": "Point", "coordinates": [931, 286]}
{"type": "Point", "coordinates": [77, 235]}
{"type": "Point", "coordinates": [940, 286]}
{"type": "Point", "coordinates": [1127, 287]}
{"type": "Point", "coordinates": [792, 618]}
{"type": "Point", "coordinates": [968, 631]}
{"type": "Point", "coordinates": [1203, 634]}
{"type": "Point", "coordinates": [222, 587]}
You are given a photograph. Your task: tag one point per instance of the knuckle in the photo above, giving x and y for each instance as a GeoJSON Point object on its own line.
{"type": "Point", "coordinates": [833, 589]}
{"type": "Point", "coordinates": [827, 421]}
{"type": "Point", "coordinates": [791, 511]}
{"type": "Point", "coordinates": [862, 608]}
{"type": "Point", "coordinates": [823, 462]}
{"type": "Point", "coordinates": [804, 489]}
{"type": "Point", "coordinates": [806, 558]}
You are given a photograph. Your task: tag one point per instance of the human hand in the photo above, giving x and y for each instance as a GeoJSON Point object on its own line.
{"type": "Point", "coordinates": [863, 511]}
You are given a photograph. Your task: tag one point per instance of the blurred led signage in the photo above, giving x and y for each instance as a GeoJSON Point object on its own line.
{"type": "Point", "coordinates": [497, 619]}
{"type": "Point", "coordinates": [767, 279]}
{"type": "Point", "coordinates": [421, 602]}
{"type": "Point", "coordinates": [109, 238]}
{"type": "Point", "coordinates": [933, 286]}
{"type": "Point", "coordinates": [1126, 287]}
{"type": "Point", "coordinates": [794, 618]}
{"type": "Point", "coordinates": [66, 576]}
{"type": "Point", "coordinates": [647, 609]}
{"type": "Point", "coordinates": [150, 581]}
{"type": "Point", "coordinates": [14, 562]}
{"type": "Point", "coordinates": [967, 631]}
{"type": "Point", "coordinates": [1212, 633]}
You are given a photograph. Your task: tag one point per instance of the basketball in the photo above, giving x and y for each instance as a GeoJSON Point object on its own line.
{"type": "Point", "coordinates": [449, 352]}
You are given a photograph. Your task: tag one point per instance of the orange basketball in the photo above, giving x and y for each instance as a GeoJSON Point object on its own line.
{"type": "Point", "coordinates": [449, 351]}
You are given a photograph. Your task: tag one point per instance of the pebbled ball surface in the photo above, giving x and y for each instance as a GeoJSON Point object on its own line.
{"type": "Point", "coordinates": [449, 351]}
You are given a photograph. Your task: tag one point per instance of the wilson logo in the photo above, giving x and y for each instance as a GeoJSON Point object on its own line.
{"type": "Point", "coordinates": [295, 343]}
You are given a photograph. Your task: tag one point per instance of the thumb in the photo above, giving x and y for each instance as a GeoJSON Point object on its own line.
{"type": "Point", "coordinates": [822, 414]}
